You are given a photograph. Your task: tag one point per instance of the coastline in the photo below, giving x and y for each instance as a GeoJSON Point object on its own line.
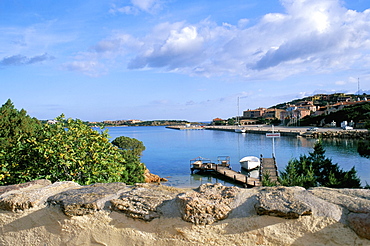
{"type": "Point", "coordinates": [322, 132]}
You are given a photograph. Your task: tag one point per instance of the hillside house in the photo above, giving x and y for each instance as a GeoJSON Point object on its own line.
{"type": "Point", "coordinates": [273, 113]}
{"type": "Point", "coordinates": [133, 121]}
{"type": "Point", "coordinates": [248, 122]}
{"type": "Point", "coordinates": [253, 114]}
{"type": "Point", "coordinates": [218, 122]}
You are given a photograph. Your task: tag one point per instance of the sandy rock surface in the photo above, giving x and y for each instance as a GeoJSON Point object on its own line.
{"type": "Point", "coordinates": [154, 214]}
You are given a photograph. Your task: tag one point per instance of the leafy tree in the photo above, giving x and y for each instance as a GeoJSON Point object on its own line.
{"type": "Point", "coordinates": [67, 150]}
{"type": "Point", "coordinates": [317, 170]}
{"type": "Point", "coordinates": [15, 128]}
{"type": "Point", "coordinates": [132, 145]}
{"type": "Point", "coordinates": [131, 150]}
{"type": "Point", "coordinates": [15, 124]}
{"type": "Point", "coordinates": [231, 121]}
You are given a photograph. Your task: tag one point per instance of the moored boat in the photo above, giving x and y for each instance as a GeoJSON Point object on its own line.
{"type": "Point", "coordinates": [250, 162]}
{"type": "Point", "coordinates": [240, 130]}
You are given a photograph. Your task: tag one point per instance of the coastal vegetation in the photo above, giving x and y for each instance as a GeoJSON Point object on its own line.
{"type": "Point", "coordinates": [67, 150]}
{"type": "Point", "coordinates": [364, 149]}
{"type": "Point", "coordinates": [140, 123]}
{"type": "Point", "coordinates": [315, 169]}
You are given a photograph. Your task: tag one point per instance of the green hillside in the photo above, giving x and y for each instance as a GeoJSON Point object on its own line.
{"type": "Point", "coordinates": [359, 114]}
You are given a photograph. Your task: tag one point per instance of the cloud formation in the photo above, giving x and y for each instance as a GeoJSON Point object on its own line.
{"type": "Point", "coordinates": [315, 35]}
{"type": "Point", "coordinates": [148, 6]}
{"type": "Point", "coordinates": [18, 60]}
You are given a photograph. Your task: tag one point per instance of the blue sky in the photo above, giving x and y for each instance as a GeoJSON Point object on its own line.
{"type": "Point", "coordinates": [172, 59]}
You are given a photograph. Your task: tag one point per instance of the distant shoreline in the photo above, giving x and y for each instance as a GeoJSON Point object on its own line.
{"type": "Point", "coordinates": [321, 132]}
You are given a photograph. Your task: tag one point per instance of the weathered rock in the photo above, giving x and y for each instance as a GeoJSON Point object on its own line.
{"type": "Point", "coordinates": [143, 201]}
{"type": "Point", "coordinates": [320, 207]}
{"type": "Point", "coordinates": [360, 223]}
{"type": "Point", "coordinates": [29, 185]}
{"type": "Point", "coordinates": [280, 202]}
{"type": "Point", "coordinates": [209, 203]}
{"type": "Point", "coordinates": [88, 199]}
{"type": "Point", "coordinates": [25, 198]}
{"type": "Point", "coordinates": [153, 178]}
{"type": "Point", "coordinates": [355, 200]}
{"type": "Point", "coordinates": [336, 214]}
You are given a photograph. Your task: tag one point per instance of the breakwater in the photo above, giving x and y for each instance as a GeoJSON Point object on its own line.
{"type": "Point", "coordinates": [299, 131]}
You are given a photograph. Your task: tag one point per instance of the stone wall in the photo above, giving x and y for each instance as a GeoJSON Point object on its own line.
{"type": "Point", "coordinates": [65, 213]}
{"type": "Point", "coordinates": [353, 134]}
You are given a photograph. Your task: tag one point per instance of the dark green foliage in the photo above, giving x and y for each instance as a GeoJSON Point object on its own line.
{"type": "Point", "coordinates": [132, 145]}
{"type": "Point", "coordinates": [15, 128]}
{"type": "Point", "coordinates": [15, 124]}
{"type": "Point", "coordinates": [231, 121]}
{"type": "Point", "coordinates": [69, 150]}
{"type": "Point", "coordinates": [363, 149]}
{"type": "Point", "coordinates": [298, 173]}
{"type": "Point", "coordinates": [317, 170]}
{"type": "Point", "coordinates": [358, 112]}
{"type": "Point", "coordinates": [266, 181]}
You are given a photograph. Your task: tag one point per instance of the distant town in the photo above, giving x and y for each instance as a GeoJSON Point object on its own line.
{"type": "Point", "coordinates": [293, 113]}
{"type": "Point", "coordinates": [299, 111]}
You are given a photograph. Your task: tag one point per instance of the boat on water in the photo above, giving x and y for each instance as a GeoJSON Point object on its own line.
{"type": "Point", "coordinates": [250, 162]}
{"type": "Point", "coordinates": [240, 130]}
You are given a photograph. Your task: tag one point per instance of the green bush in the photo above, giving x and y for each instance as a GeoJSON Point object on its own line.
{"type": "Point", "coordinates": [68, 150]}
{"type": "Point", "coordinates": [131, 145]}
{"type": "Point", "coordinates": [318, 170]}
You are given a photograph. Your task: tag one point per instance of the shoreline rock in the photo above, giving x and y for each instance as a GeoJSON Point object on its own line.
{"type": "Point", "coordinates": [153, 178]}
{"type": "Point", "coordinates": [69, 214]}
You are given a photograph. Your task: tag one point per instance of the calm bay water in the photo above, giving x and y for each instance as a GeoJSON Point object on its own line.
{"type": "Point", "coordinates": [168, 152]}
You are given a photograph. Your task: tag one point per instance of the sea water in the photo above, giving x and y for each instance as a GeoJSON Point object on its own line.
{"type": "Point", "coordinates": [168, 152]}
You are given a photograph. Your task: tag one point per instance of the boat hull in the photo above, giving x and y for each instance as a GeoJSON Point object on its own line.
{"type": "Point", "coordinates": [240, 130]}
{"type": "Point", "coordinates": [250, 162]}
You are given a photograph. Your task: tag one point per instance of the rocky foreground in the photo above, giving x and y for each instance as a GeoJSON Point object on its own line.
{"type": "Point", "coordinates": [65, 213]}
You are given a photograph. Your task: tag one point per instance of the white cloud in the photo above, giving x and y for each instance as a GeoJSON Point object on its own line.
{"type": "Point", "coordinates": [148, 6]}
{"type": "Point", "coordinates": [181, 48]}
{"type": "Point", "coordinates": [314, 36]}
{"type": "Point", "coordinates": [88, 67]}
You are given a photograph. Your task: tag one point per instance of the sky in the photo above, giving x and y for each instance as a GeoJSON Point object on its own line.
{"type": "Point", "coordinates": [176, 59]}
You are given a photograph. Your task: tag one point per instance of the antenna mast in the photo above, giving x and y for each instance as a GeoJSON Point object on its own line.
{"type": "Point", "coordinates": [358, 86]}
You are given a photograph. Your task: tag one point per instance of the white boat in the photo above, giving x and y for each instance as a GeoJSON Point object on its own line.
{"type": "Point", "coordinates": [250, 162]}
{"type": "Point", "coordinates": [240, 130]}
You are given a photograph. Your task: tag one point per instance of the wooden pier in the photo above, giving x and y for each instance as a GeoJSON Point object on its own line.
{"type": "Point", "coordinates": [222, 168]}
{"type": "Point", "coordinates": [269, 167]}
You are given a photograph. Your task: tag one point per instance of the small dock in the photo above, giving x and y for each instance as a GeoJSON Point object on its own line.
{"type": "Point", "coordinates": [222, 168]}
{"type": "Point", "coordinates": [269, 167]}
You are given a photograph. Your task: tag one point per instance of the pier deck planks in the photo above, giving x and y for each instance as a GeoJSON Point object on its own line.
{"type": "Point", "coordinates": [268, 165]}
